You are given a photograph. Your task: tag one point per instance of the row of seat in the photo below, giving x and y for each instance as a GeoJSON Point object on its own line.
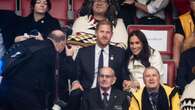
{"type": "Point", "coordinates": [59, 7]}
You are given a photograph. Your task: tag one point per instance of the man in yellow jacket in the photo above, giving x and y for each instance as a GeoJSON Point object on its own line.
{"type": "Point", "coordinates": [154, 96]}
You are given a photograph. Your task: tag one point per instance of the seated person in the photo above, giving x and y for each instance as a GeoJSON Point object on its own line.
{"type": "Point", "coordinates": [96, 11]}
{"type": "Point", "coordinates": [188, 98]}
{"type": "Point", "coordinates": [154, 96]}
{"type": "Point", "coordinates": [186, 70]}
{"type": "Point", "coordinates": [104, 97]}
{"type": "Point", "coordinates": [139, 55]}
{"type": "Point", "coordinates": [184, 33]}
{"type": "Point", "coordinates": [39, 20]}
{"type": "Point", "coordinates": [150, 11]}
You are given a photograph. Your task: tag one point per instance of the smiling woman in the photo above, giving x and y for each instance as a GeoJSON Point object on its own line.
{"type": "Point", "coordinates": [140, 55]}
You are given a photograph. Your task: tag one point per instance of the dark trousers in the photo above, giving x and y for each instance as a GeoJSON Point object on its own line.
{"type": "Point", "coordinates": [75, 99]}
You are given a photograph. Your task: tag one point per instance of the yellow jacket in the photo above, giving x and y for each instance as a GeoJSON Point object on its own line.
{"type": "Point", "coordinates": [136, 103]}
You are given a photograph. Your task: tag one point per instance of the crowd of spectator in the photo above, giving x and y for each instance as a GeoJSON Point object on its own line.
{"type": "Point", "coordinates": [119, 70]}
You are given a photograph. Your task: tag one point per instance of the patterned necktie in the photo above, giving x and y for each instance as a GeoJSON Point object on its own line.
{"type": "Point", "coordinates": [101, 60]}
{"type": "Point", "coordinates": [105, 99]}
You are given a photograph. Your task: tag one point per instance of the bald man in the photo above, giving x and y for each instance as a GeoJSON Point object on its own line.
{"type": "Point", "coordinates": [31, 84]}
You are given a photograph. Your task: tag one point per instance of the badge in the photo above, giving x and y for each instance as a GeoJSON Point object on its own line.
{"type": "Point", "coordinates": [112, 57]}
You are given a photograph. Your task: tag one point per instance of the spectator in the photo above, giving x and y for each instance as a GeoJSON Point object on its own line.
{"type": "Point", "coordinates": [150, 11]}
{"type": "Point", "coordinates": [184, 30]}
{"type": "Point", "coordinates": [186, 69]}
{"type": "Point", "coordinates": [154, 96]}
{"type": "Point", "coordinates": [188, 98]}
{"type": "Point", "coordinates": [39, 20]}
{"type": "Point", "coordinates": [99, 10]}
{"type": "Point", "coordinates": [91, 58]}
{"type": "Point", "coordinates": [95, 99]}
{"type": "Point", "coordinates": [30, 86]}
{"type": "Point", "coordinates": [127, 12]}
{"type": "Point", "coordinates": [139, 55]}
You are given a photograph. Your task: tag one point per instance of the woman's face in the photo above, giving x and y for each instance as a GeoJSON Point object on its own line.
{"type": "Point", "coordinates": [100, 6]}
{"type": "Point", "coordinates": [41, 7]}
{"type": "Point", "coordinates": [135, 45]}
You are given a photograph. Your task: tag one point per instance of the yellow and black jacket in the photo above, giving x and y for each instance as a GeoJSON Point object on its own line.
{"type": "Point", "coordinates": [171, 93]}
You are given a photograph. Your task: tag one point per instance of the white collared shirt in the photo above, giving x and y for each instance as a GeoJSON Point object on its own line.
{"type": "Point", "coordinates": [108, 92]}
{"type": "Point", "coordinates": [106, 61]}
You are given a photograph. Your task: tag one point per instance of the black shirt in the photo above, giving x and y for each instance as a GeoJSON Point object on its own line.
{"type": "Point", "coordinates": [178, 26]}
{"type": "Point", "coordinates": [44, 25]}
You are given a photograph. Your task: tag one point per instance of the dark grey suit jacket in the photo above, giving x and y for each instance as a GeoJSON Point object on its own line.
{"type": "Point", "coordinates": [86, 65]}
{"type": "Point", "coordinates": [92, 100]}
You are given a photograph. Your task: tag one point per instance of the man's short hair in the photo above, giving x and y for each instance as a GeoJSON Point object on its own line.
{"type": "Point", "coordinates": [112, 70]}
{"type": "Point", "coordinates": [104, 22]}
{"type": "Point", "coordinates": [153, 68]}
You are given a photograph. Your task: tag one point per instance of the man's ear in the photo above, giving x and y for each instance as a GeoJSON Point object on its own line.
{"type": "Point", "coordinates": [114, 80]}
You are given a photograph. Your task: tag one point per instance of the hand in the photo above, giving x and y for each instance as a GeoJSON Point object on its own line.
{"type": "Point", "coordinates": [126, 85]}
{"type": "Point", "coordinates": [77, 85]}
{"type": "Point", "coordinates": [39, 37]}
{"type": "Point", "coordinates": [69, 50]}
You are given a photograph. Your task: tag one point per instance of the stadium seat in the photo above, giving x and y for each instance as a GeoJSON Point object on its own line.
{"type": "Point", "coordinates": [8, 5]}
{"type": "Point", "coordinates": [76, 7]}
{"type": "Point", "coordinates": [181, 6]}
{"type": "Point", "coordinates": [160, 37]}
{"type": "Point", "coordinates": [170, 72]}
{"type": "Point", "coordinates": [58, 10]}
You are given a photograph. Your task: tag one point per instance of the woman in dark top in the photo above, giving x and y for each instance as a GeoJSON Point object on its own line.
{"type": "Point", "coordinates": [39, 20]}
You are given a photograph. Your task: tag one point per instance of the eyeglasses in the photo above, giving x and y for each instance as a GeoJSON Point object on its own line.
{"type": "Point", "coordinates": [106, 76]}
{"type": "Point", "coordinates": [43, 2]}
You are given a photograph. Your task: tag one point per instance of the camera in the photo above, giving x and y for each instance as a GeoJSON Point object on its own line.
{"type": "Point", "coordinates": [34, 33]}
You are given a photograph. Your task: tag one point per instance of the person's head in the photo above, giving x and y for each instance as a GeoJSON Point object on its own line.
{"type": "Point", "coordinates": [103, 33]}
{"type": "Point", "coordinates": [100, 7]}
{"type": "Point", "coordinates": [192, 5]}
{"type": "Point", "coordinates": [40, 6]}
{"type": "Point", "coordinates": [107, 8]}
{"type": "Point", "coordinates": [151, 78]}
{"type": "Point", "coordinates": [58, 38]}
{"type": "Point", "coordinates": [106, 78]}
{"type": "Point", "coordinates": [139, 47]}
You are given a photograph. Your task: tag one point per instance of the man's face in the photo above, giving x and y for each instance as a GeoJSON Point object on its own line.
{"type": "Point", "coordinates": [41, 7]}
{"type": "Point", "coordinates": [151, 79]}
{"type": "Point", "coordinates": [100, 6]}
{"type": "Point", "coordinates": [106, 78]}
{"type": "Point", "coordinates": [104, 35]}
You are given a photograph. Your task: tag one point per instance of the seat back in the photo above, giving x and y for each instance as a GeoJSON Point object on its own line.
{"type": "Point", "coordinates": [77, 4]}
{"type": "Point", "coordinates": [170, 72]}
{"type": "Point", "coordinates": [159, 37]}
{"type": "Point", "coordinates": [8, 5]}
{"type": "Point", "coordinates": [181, 6]}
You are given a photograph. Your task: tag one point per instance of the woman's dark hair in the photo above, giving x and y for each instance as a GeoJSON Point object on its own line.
{"type": "Point", "coordinates": [145, 53]}
{"type": "Point", "coordinates": [111, 14]}
{"type": "Point", "coordinates": [33, 2]}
